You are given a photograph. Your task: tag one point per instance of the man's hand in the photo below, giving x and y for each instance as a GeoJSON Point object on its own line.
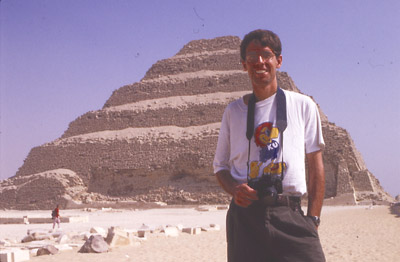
{"type": "Point", "coordinates": [244, 195]}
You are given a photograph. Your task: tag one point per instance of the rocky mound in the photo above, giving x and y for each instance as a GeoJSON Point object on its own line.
{"type": "Point", "coordinates": [155, 140]}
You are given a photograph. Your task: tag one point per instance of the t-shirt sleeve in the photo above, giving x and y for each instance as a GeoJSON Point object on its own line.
{"type": "Point", "coordinates": [314, 140]}
{"type": "Point", "coordinates": [222, 153]}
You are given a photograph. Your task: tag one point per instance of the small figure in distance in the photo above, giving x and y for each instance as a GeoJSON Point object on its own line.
{"type": "Point", "coordinates": [55, 215]}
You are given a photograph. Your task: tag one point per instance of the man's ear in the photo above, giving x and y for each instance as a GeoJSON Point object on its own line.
{"type": "Point", "coordinates": [279, 59]}
{"type": "Point", "coordinates": [244, 65]}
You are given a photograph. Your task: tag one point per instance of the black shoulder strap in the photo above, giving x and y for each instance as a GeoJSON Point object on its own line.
{"type": "Point", "coordinates": [250, 116]}
{"type": "Point", "coordinates": [281, 116]}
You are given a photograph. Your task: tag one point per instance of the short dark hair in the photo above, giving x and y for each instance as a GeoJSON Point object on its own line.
{"type": "Point", "coordinates": [265, 37]}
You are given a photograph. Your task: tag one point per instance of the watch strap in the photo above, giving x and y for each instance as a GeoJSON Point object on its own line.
{"type": "Point", "coordinates": [316, 220]}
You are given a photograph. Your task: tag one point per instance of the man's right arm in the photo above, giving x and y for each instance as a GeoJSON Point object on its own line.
{"type": "Point", "coordinates": [242, 194]}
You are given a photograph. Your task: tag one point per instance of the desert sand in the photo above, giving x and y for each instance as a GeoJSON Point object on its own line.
{"type": "Point", "coordinates": [348, 233]}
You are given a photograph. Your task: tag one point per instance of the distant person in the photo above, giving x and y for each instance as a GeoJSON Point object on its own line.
{"type": "Point", "coordinates": [264, 140]}
{"type": "Point", "coordinates": [55, 214]}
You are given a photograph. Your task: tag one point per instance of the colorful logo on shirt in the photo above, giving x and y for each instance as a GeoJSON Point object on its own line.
{"type": "Point", "coordinates": [266, 138]}
{"type": "Point", "coordinates": [264, 135]}
{"type": "Point", "coordinates": [271, 169]}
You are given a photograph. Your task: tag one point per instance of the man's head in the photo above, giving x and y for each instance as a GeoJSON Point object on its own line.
{"type": "Point", "coordinates": [261, 57]}
{"type": "Point", "coordinates": [265, 37]}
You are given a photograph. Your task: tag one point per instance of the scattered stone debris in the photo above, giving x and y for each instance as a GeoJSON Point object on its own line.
{"type": "Point", "coordinates": [171, 231]}
{"type": "Point", "coordinates": [95, 244]}
{"type": "Point", "coordinates": [47, 250]}
{"type": "Point", "coordinates": [99, 231]}
{"type": "Point", "coordinates": [144, 230]}
{"type": "Point", "coordinates": [192, 230]}
{"type": "Point", "coordinates": [119, 237]}
{"type": "Point", "coordinates": [63, 239]}
{"type": "Point", "coordinates": [39, 242]}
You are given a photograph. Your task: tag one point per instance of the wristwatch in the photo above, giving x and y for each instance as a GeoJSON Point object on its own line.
{"type": "Point", "coordinates": [316, 220]}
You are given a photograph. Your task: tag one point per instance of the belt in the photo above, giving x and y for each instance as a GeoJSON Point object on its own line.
{"type": "Point", "coordinates": [281, 200]}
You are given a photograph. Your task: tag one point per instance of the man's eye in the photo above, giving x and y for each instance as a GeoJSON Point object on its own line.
{"type": "Point", "coordinates": [253, 57]}
{"type": "Point", "coordinates": [267, 55]}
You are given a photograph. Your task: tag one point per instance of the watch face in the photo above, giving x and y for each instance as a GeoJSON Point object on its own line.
{"type": "Point", "coordinates": [316, 220]}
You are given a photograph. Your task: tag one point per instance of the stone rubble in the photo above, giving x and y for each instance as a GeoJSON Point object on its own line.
{"type": "Point", "coordinates": [47, 250]}
{"type": "Point", "coordinates": [39, 242]}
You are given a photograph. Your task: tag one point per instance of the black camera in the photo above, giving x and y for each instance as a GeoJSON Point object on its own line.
{"type": "Point", "coordinates": [268, 187]}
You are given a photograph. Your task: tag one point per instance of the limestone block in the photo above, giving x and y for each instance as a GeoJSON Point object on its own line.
{"type": "Point", "coordinates": [171, 231]}
{"type": "Point", "coordinates": [192, 230]}
{"type": "Point", "coordinates": [14, 255]}
{"type": "Point", "coordinates": [20, 255]}
{"type": "Point", "coordinates": [77, 219]}
{"type": "Point", "coordinates": [41, 236]}
{"type": "Point", "coordinates": [142, 233]}
{"type": "Point", "coordinates": [98, 230]}
{"type": "Point", "coordinates": [63, 247]}
{"type": "Point", "coordinates": [36, 244]}
{"type": "Point", "coordinates": [47, 250]}
{"type": "Point", "coordinates": [6, 256]}
{"type": "Point", "coordinates": [118, 237]}
{"type": "Point", "coordinates": [40, 220]}
{"type": "Point", "coordinates": [27, 238]}
{"type": "Point", "coordinates": [62, 239]}
{"type": "Point", "coordinates": [95, 244]}
{"type": "Point", "coordinates": [85, 235]}
{"type": "Point", "coordinates": [33, 251]}
{"type": "Point", "coordinates": [11, 220]}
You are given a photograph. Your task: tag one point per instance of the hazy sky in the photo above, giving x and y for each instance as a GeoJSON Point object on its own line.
{"type": "Point", "coordinates": [60, 59]}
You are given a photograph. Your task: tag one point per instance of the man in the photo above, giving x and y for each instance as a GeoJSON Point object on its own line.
{"type": "Point", "coordinates": [266, 179]}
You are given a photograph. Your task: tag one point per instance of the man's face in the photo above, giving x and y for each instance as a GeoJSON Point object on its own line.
{"type": "Point", "coordinates": [261, 64]}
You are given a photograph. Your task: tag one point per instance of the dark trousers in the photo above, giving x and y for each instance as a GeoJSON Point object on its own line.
{"type": "Point", "coordinates": [271, 234]}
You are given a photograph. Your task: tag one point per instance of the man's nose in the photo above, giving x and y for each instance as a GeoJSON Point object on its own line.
{"type": "Point", "coordinates": [260, 59]}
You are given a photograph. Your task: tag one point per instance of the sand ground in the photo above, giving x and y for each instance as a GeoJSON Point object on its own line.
{"type": "Point", "coordinates": [356, 233]}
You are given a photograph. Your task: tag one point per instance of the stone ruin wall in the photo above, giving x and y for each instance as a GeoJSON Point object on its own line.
{"type": "Point", "coordinates": [141, 158]}
{"type": "Point", "coordinates": [102, 149]}
{"type": "Point", "coordinates": [189, 84]}
{"type": "Point", "coordinates": [32, 191]}
{"type": "Point", "coordinates": [116, 120]}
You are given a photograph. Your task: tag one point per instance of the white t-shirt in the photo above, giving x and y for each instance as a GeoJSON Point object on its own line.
{"type": "Point", "coordinates": [302, 135]}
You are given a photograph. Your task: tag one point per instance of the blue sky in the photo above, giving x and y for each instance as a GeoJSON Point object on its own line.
{"type": "Point", "coordinates": [60, 59]}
